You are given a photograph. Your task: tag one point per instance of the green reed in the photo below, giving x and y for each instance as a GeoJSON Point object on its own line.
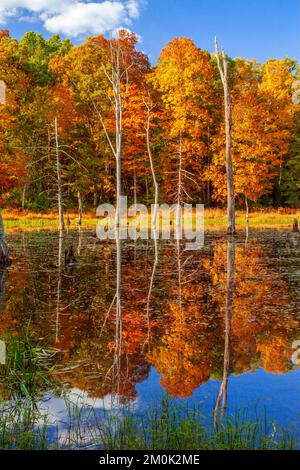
{"type": "Point", "coordinates": [29, 366]}
{"type": "Point", "coordinates": [166, 427]}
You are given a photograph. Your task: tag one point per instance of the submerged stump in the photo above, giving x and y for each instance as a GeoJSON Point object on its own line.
{"type": "Point", "coordinates": [4, 252]}
{"type": "Point", "coordinates": [295, 226]}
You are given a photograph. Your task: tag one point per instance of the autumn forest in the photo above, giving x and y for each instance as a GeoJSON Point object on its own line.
{"type": "Point", "coordinates": [181, 98]}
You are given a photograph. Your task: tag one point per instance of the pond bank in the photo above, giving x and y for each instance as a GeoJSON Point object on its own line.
{"type": "Point", "coordinates": [215, 219]}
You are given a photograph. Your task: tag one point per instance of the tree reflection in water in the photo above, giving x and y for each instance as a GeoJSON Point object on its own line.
{"type": "Point", "coordinates": [228, 314]}
{"type": "Point", "coordinates": [113, 317]}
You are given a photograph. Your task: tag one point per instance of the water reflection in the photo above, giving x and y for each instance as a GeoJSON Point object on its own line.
{"type": "Point", "coordinates": [228, 315]}
{"type": "Point", "coordinates": [126, 307]}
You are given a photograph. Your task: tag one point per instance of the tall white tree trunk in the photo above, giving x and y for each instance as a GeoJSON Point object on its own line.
{"type": "Point", "coordinates": [156, 189]}
{"type": "Point", "coordinates": [223, 69]}
{"type": "Point", "coordinates": [178, 214]}
{"type": "Point", "coordinates": [134, 186]}
{"type": "Point", "coordinates": [118, 162]}
{"type": "Point", "coordinates": [247, 210]}
{"type": "Point", "coordinates": [116, 78]}
{"type": "Point", "coordinates": [59, 181]}
{"type": "Point", "coordinates": [179, 188]}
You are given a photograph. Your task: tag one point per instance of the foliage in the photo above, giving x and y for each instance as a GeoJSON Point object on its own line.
{"type": "Point", "coordinates": [52, 78]}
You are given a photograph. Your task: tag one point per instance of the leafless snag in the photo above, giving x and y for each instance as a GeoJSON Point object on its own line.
{"type": "Point", "coordinates": [223, 69]}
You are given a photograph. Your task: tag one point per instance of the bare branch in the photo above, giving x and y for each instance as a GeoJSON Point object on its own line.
{"type": "Point", "coordinates": [218, 60]}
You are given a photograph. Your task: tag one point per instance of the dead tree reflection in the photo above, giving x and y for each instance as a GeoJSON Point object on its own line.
{"type": "Point", "coordinates": [115, 370]}
{"type": "Point", "coordinates": [59, 284]}
{"type": "Point", "coordinates": [228, 316]}
{"type": "Point", "coordinates": [155, 263]}
{"type": "Point", "coordinates": [118, 319]}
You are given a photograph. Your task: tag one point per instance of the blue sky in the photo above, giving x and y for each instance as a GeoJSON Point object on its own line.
{"type": "Point", "coordinates": [250, 28]}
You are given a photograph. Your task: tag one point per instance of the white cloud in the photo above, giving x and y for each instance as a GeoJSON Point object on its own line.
{"type": "Point", "coordinates": [115, 33]}
{"type": "Point", "coordinates": [87, 18]}
{"type": "Point", "coordinates": [75, 17]}
{"type": "Point", "coordinates": [133, 8]}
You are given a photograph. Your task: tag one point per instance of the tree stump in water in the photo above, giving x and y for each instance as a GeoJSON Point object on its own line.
{"type": "Point", "coordinates": [295, 225]}
{"type": "Point", "coordinates": [70, 259]}
{"type": "Point", "coordinates": [4, 260]}
{"type": "Point", "coordinates": [4, 252]}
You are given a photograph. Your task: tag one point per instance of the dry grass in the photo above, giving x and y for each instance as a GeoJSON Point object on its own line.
{"type": "Point", "coordinates": [214, 219]}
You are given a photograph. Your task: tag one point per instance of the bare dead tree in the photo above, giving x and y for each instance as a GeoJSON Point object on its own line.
{"type": "Point", "coordinates": [117, 78]}
{"type": "Point", "coordinates": [179, 186]}
{"type": "Point", "coordinates": [150, 106]}
{"type": "Point", "coordinates": [59, 181]}
{"type": "Point", "coordinates": [223, 70]}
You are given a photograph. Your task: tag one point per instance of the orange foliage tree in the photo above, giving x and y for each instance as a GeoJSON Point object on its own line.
{"type": "Point", "coordinates": [183, 77]}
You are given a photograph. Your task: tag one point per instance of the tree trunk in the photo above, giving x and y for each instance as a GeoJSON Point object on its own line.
{"type": "Point", "coordinates": [154, 219]}
{"type": "Point", "coordinates": [228, 126]}
{"type": "Point", "coordinates": [117, 78]}
{"type": "Point", "coordinates": [295, 225]}
{"type": "Point", "coordinates": [23, 197]}
{"type": "Point", "coordinates": [178, 215]}
{"type": "Point", "coordinates": [95, 198]}
{"type": "Point", "coordinates": [208, 193]}
{"type": "Point", "coordinates": [147, 189]}
{"type": "Point", "coordinates": [79, 208]}
{"type": "Point", "coordinates": [179, 189]}
{"type": "Point", "coordinates": [229, 167]}
{"type": "Point", "coordinates": [119, 127]}
{"type": "Point", "coordinates": [59, 182]}
{"type": "Point", "coordinates": [247, 210]}
{"type": "Point", "coordinates": [68, 218]}
{"type": "Point", "coordinates": [134, 187]}
{"type": "Point", "coordinates": [4, 252]}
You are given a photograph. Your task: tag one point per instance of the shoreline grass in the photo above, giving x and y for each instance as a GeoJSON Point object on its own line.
{"type": "Point", "coordinates": [215, 219]}
{"type": "Point", "coordinates": [168, 426]}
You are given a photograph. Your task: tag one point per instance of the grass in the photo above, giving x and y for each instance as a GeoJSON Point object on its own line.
{"type": "Point", "coordinates": [165, 427]}
{"type": "Point", "coordinates": [169, 426]}
{"type": "Point", "coordinates": [214, 219]}
{"type": "Point", "coordinates": [28, 368]}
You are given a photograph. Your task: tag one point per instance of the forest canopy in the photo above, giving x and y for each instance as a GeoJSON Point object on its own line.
{"type": "Point", "coordinates": [48, 79]}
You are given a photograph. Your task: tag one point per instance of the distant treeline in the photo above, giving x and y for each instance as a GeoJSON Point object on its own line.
{"type": "Point", "coordinates": [180, 99]}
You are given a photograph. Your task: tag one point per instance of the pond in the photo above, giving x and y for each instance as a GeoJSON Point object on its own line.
{"type": "Point", "coordinates": [217, 327]}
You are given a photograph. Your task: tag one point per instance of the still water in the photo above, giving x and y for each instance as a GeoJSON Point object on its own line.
{"type": "Point", "coordinates": [132, 322]}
